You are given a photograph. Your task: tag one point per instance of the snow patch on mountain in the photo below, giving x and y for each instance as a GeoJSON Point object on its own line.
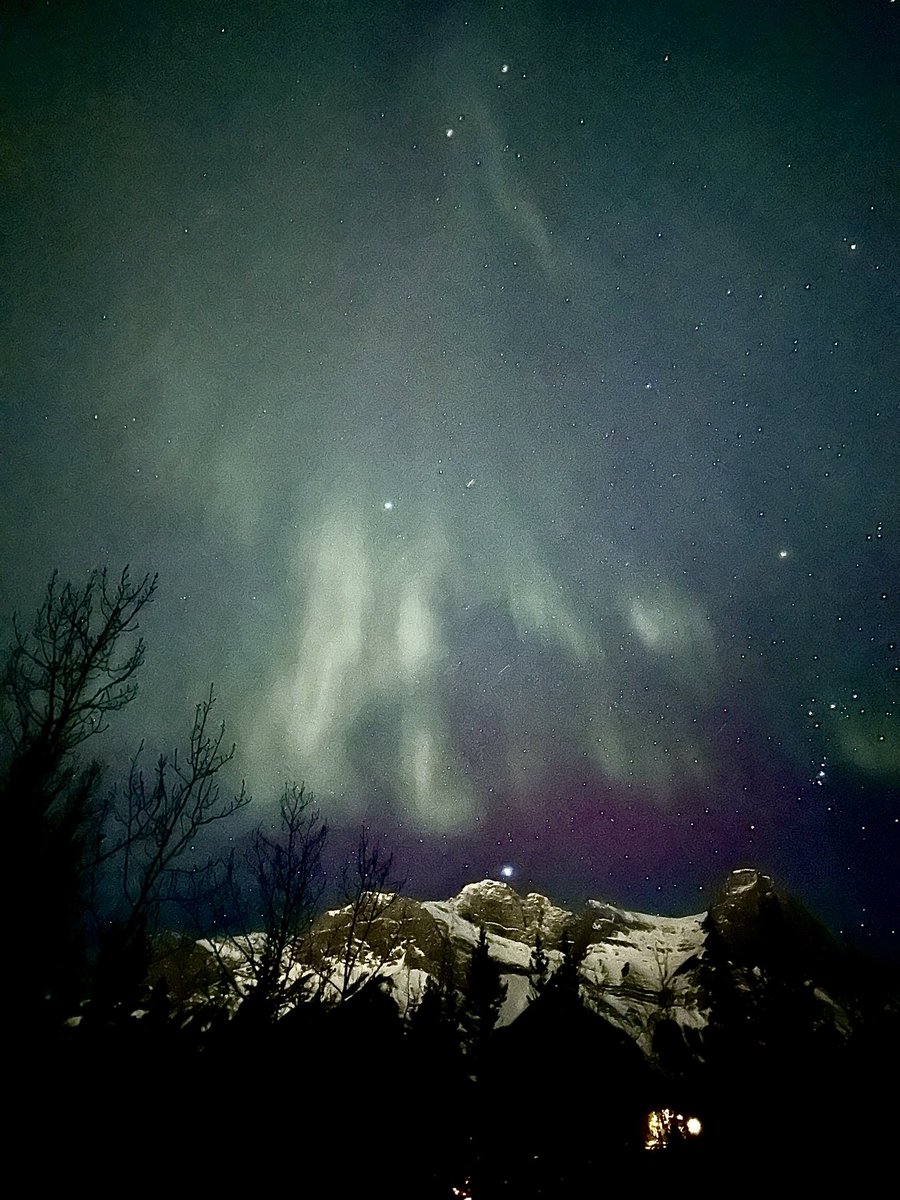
{"type": "Point", "coordinates": [635, 969]}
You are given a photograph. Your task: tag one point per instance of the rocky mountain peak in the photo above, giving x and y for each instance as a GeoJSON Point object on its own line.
{"type": "Point", "coordinates": [746, 880]}
{"type": "Point", "coordinates": [504, 913]}
{"type": "Point", "coordinates": [633, 968]}
{"type": "Point", "coordinates": [755, 921]}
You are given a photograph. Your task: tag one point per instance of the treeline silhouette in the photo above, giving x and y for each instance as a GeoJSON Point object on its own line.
{"type": "Point", "coordinates": [203, 1010]}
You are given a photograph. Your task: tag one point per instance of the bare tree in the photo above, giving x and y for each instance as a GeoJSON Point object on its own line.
{"type": "Point", "coordinates": [355, 943]}
{"type": "Point", "coordinates": [151, 826]}
{"type": "Point", "coordinates": [262, 944]}
{"type": "Point", "coordinates": [289, 880]}
{"type": "Point", "coordinates": [60, 681]}
{"type": "Point", "coordinates": [64, 676]}
{"type": "Point", "coordinates": [159, 819]}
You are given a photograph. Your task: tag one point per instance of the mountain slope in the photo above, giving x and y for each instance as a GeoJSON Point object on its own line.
{"type": "Point", "coordinates": [755, 951]}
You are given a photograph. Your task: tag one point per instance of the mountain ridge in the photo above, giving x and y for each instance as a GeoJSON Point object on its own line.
{"type": "Point", "coordinates": [636, 970]}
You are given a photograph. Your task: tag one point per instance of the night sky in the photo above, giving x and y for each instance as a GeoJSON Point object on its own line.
{"type": "Point", "coordinates": [507, 396]}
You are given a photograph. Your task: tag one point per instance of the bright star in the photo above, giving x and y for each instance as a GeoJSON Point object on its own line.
{"type": "Point", "coordinates": [388, 506]}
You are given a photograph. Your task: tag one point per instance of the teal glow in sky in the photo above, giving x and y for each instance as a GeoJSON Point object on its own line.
{"type": "Point", "coordinates": [507, 400]}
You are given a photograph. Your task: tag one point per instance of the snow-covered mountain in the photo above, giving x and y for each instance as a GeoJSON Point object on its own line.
{"type": "Point", "coordinates": [635, 968]}
{"type": "Point", "coordinates": [630, 958]}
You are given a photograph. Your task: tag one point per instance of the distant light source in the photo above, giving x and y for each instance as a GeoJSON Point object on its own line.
{"type": "Point", "coordinates": [507, 872]}
{"type": "Point", "coordinates": [388, 505]}
{"type": "Point", "coordinates": [665, 1127]}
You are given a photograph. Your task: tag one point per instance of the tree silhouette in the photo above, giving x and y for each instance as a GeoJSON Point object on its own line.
{"type": "Point", "coordinates": [433, 1024]}
{"type": "Point", "coordinates": [352, 950]}
{"type": "Point", "coordinates": [264, 932]}
{"type": "Point", "coordinates": [483, 997]}
{"type": "Point", "coordinates": [565, 980]}
{"type": "Point", "coordinates": [538, 968]}
{"type": "Point", "coordinates": [156, 821]}
{"type": "Point", "coordinates": [68, 672]}
{"type": "Point", "coordinates": [61, 680]}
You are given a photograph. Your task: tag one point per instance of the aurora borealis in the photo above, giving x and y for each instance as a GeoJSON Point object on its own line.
{"type": "Point", "coordinates": [506, 395]}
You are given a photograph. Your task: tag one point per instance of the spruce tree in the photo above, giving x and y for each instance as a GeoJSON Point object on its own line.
{"type": "Point", "coordinates": [433, 1023]}
{"type": "Point", "coordinates": [483, 998]}
{"type": "Point", "coordinates": [565, 979]}
{"type": "Point", "coordinates": [538, 968]}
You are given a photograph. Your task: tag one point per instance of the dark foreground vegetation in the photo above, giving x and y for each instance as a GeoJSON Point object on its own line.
{"type": "Point", "coordinates": [283, 1060]}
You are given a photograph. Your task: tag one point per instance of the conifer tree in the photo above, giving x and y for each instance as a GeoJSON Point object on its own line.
{"type": "Point", "coordinates": [483, 998]}
{"type": "Point", "coordinates": [433, 1035]}
{"type": "Point", "coordinates": [565, 981]}
{"type": "Point", "coordinates": [434, 1020]}
{"type": "Point", "coordinates": [538, 968]}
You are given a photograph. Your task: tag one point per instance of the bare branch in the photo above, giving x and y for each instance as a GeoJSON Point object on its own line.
{"type": "Point", "coordinates": [264, 926]}
{"type": "Point", "coordinates": [64, 676]}
{"type": "Point", "coordinates": [160, 819]}
{"type": "Point", "coordinates": [59, 681]}
{"type": "Point", "coordinates": [350, 957]}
